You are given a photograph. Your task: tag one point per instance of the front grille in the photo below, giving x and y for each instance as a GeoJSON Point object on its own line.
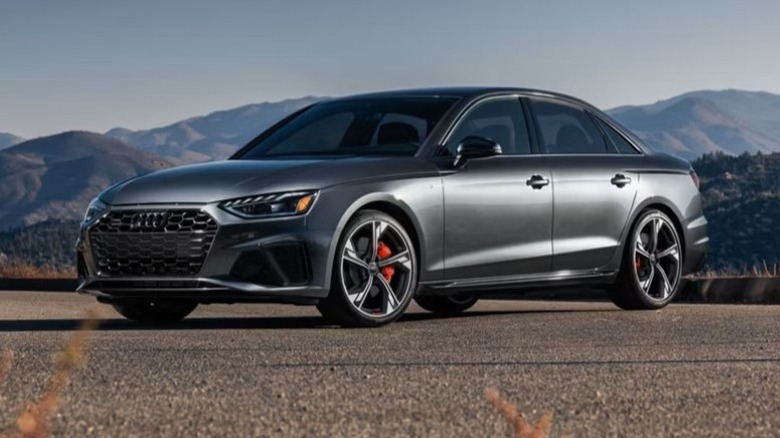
{"type": "Point", "coordinates": [137, 243]}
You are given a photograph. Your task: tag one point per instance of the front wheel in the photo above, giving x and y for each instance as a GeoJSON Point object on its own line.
{"type": "Point", "coordinates": [374, 272]}
{"type": "Point", "coordinates": [155, 312]}
{"type": "Point", "coordinates": [652, 264]}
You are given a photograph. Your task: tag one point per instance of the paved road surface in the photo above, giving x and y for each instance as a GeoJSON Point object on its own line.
{"type": "Point", "coordinates": [263, 370]}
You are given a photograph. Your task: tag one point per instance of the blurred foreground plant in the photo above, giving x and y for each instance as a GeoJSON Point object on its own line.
{"type": "Point", "coordinates": [34, 421]}
{"type": "Point", "coordinates": [509, 412]}
{"type": "Point", "coordinates": [6, 360]}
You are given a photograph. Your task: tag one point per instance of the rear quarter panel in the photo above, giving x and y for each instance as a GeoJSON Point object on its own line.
{"type": "Point", "coordinates": [665, 183]}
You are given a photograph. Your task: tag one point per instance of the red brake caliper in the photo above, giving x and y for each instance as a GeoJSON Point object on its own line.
{"type": "Point", "coordinates": [382, 252]}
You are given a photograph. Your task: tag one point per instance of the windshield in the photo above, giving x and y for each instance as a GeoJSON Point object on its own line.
{"type": "Point", "coordinates": [377, 126]}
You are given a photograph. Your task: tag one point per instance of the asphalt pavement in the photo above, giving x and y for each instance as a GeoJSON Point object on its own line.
{"type": "Point", "coordinates": [272, 370]}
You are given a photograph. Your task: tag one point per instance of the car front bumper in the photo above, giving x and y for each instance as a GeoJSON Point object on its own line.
{"type": "Point", "coordinates": [266, 260]}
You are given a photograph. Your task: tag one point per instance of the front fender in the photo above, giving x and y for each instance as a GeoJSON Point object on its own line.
{"type": "Point", "coordinates": [418, 199]}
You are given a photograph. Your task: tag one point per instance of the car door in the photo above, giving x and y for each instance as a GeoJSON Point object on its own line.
{"type": "Point", "coordinates": [593, 185]}
{"type": "Point", "coordinates": [497, 210]}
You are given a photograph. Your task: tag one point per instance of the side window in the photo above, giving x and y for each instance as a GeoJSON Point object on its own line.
{"type": "Point", "coordinates": [500, 120]}
{"type": "Point", "coordinates": [567, 130]}
{"type": "Point", "coordinates": [618, 141]}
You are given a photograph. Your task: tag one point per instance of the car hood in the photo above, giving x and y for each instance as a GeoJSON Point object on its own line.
{"type": "Point", "coordinates": [212, 182]}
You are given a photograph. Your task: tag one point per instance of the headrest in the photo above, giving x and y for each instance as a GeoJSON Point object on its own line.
{"type": "Point", "coordinates": [397, 133]}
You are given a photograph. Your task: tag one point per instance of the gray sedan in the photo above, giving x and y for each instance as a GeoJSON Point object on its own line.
{"type": "Point", "coordinates": [360, 204]}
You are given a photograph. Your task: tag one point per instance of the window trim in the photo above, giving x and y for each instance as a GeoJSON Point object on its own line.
{"type": "Point", "coordinates": [472, 106]}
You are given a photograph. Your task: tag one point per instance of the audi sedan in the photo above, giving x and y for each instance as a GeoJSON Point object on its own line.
{"type": "Point", "coordinates": [359, 205]}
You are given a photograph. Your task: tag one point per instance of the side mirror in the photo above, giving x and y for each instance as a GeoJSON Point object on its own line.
{"type": "Point", "coordinates": [476, 147]}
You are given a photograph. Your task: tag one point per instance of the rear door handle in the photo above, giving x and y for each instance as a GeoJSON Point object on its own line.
{"type": "Point", "coordinates": [620, 180]}
{"type": "Point", "coordinates": [537, 181]}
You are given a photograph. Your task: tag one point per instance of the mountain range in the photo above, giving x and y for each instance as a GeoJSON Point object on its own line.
{"type": "Point", "coordinates": [54, 177]}
{"type": "Point", "coordinates": [212, 137]}
{"type": "Point", "coordinates": [701, 122]}
{"type": "Point", "coordinates": [7, 140]}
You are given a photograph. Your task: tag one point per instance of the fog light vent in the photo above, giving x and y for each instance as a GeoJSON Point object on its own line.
{"type": "Point", "coordinates": [276, 266]}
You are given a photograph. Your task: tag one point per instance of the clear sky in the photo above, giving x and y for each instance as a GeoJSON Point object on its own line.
{"type": "Point", "coordinates": [99, 64]}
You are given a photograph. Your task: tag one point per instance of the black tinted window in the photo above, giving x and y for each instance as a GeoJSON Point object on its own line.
{"type": "Point", "coordinates": [618, 141]}
{"type": "Point", "coordinates": [500, 120]}
{"type": "Point", "coordinates": [384, 126]}
{"type": "Point", "coordinates": [567, 130]}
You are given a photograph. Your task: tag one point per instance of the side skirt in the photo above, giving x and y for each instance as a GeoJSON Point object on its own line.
{"type": "Point", "coordinates": [522, 284]}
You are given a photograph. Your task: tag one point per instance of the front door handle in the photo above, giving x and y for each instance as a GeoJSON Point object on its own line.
{"type": "Point", "coordinates": [620, 180]}
{"type": "Point", "coordinates": [537, 181]}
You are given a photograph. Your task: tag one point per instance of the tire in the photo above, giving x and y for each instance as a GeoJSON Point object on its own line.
{"type": "Point", "coordinates": [447, 305]}
{"type": "Point", "coordinates": [651, 269]}
{"type": "Point", "coordinates": [158, 312]}
{"type": "Point", "coordinates": [364, 292]}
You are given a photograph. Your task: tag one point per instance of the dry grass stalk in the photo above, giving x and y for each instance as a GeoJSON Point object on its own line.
{"type": "Point", "coordinates": [6, 360]}
{"type": "Point", "coordinates": [763, 271]}
{"type": "Point", "coordinates": [34, 420]}
{"type": "Point", "coordinates": [509, 412]}
{"type": "Point", "coordinates": [26, 270]}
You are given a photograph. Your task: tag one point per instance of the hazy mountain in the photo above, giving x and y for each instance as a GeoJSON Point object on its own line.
{"type": "Point", "coordinates": [762, 109]}
{"type": "Point", "coordinates": [214, 136]}
{"type": "Point", "coordinates": [8, 140]}
{"type": "Point", "coordinates": [700, 122]}
{"type": "Point", "coordinates": [56, 176]}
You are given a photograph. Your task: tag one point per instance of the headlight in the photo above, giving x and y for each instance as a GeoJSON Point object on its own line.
{"type": "Point", "coordinates": [272, 205]}
{"type": "Point", "coordinates": [96, 207]}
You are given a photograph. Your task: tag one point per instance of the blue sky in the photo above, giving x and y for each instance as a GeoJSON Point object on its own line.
{"type": "Point", "coordinates": [95, 65]}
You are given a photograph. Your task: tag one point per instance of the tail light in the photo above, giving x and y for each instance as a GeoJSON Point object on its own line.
{"type": "Point", "coordinates": [695, 179]}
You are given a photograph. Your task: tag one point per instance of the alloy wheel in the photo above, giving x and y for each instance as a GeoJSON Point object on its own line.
{"type": "Point", "coordinates": [376, 269]}
{"type": "Point", "coordinates": [657, 260]}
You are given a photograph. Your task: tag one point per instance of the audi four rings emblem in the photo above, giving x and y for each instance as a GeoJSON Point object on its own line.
{"type": "Point", "coordinates": [149, 220]}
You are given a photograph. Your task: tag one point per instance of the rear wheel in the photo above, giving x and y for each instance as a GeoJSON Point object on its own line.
{"type": "Point", "coordinates": [652, 264]}
{"type": "Point", "coordinates": [375, 272]}
{"type": "Point", "coordinates": [446, 305]}
{"type": "Point", "coordinates": [155, 312]}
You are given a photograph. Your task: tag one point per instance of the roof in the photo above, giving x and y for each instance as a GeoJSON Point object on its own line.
{"type": "Point", "coordinates": [461, 92]}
